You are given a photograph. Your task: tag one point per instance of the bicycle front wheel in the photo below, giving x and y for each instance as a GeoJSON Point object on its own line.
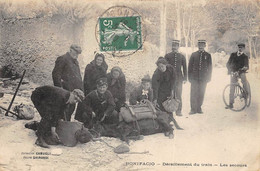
{"type": "Point", "coordinates": [235, 96]}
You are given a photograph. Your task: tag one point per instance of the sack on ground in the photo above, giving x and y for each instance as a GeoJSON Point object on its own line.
{"type": "Point", "coordinates": [171, 104]}
{"type": "Point", "coordinates": [122, 148]}
{"type": "Point", "coordinates": [72, 132]}
{"type": "Point", "coordinates": [24, 111]}
{"type": "Point", "coordinates": [144, 110]}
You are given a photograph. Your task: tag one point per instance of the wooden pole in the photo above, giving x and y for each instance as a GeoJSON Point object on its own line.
{"type": "Point", "coordinates": [9, 111]}
{"type": "Point", "coordinates": [21, 80]}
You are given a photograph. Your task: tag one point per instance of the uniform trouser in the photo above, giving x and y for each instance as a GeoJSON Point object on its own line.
{"type": "Point", "coordinates": [179, 95]}
{"type": "Point", "coordinates": [232, 87]}
{"type": "Point", "coordinates": [197, 94]}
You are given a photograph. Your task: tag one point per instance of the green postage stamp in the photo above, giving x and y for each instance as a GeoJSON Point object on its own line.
{"type": "Point", "coordinates": [120, 33]}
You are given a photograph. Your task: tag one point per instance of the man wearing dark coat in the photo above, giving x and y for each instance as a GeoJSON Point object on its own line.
{"type": "Point", "coordinates": [178, 61]}
{"type": "Point", "coordinates": [51, 102]}
{"type": "Point", "coordinates": [98, 106]}
{"type": "Point", "coordinates": [238, 62]}
{"type": "Point", "coordinates": [199, 73]}
{"type": "Point", "coordinates": [66, 73]}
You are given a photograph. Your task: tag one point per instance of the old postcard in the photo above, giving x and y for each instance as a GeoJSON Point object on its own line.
{"type": "Point", "coordinates": [203, 55]}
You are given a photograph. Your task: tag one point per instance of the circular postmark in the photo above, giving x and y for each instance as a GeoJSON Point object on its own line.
{"type": "Point", "coordinates": [120, 31]}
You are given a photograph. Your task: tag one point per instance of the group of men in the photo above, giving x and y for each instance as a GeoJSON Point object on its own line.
{"type": "Point", "coordinates": [199, 74]}
{"type": "Point", "coordinates": [58, 101]}
{"type": "Point", "coordinates": [200, 71]}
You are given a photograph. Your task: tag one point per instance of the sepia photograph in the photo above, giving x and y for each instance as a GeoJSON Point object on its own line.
{"type": "Point", "coordinates": [114, 85]}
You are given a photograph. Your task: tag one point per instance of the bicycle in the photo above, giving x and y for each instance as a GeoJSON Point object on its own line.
{"type": "Point", "coordinates": [242, 99]}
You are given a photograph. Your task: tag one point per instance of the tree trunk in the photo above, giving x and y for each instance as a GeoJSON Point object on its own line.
{"type": "Point", "coordinates": [163, 29]}
{"type": "Point", "coordinates": [255, 47]}
{"type": "Point", "coordinates": [178, 22]}
{"type": "Point", "coordinates": [250, 52]}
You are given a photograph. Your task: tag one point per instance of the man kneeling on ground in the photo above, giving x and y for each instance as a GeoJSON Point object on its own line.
{"type": "Point", "coordinates": [51, 103]}
{"type": "Point", "coordinates": [98, 106]}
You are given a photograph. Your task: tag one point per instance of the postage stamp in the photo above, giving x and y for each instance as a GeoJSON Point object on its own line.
{"type": "Point", "coordinates": [120, 33]}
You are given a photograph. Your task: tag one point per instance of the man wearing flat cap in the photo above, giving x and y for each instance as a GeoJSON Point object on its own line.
{"type": "Point", "coordinates": [199, 74]}
{"type": "Point", "coordinates": [178, 61]}
{"type": "Point", "coordinates": [66, 73]}
{"type": "Point", "coordinates": [52, 102]}
{"type": "Point", "coordinates": [99, 106]}
{"type": "Point", "coordinates": [238, 62]}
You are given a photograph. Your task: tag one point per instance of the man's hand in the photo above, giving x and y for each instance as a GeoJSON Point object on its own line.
{"type": "Point", "coordinates": [244, 68]}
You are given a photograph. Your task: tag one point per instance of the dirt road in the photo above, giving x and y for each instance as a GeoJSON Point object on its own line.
{"type": "Point", "coordinates": [219, 139]}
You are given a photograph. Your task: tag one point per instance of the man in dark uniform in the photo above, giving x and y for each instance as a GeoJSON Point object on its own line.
{"type": "Point", "coordinates": [199, 73]}
{"type": "Point", "coordinates": [66, 73]}
{"type": "Point", "coordinates": [238, 62]}
{"type": "Point", "coordinates": [178, 61]}
{"type": "Point", "coordinates": [51, 103]}
{"type": "Point", "coordinates": [99, 106]}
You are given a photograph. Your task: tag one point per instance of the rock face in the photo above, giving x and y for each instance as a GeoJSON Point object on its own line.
{"type": "Point", "coordinates": [34, 40]}
{"type": "Point", "coordinates": [35, 43]}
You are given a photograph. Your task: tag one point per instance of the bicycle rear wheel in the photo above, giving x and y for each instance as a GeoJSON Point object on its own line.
{"type": "Point", "coordinates": [248, 95]}
{"type": "Point", "coordinates": [240, 101]}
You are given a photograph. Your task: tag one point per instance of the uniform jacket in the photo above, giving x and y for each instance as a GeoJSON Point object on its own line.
{"type": "Point", "coordinates": [163, 82]}
{"type": "Point", "coordinates": [138, 94]}
{"type": "Point", "coordinates": [100, 104]}
{"type": "Point", "coordinates": [92, 74]}
{"type": "Point", "coordinates": [117, 88]}
{"type": "Point", "coordinates": [236, 62]}
{"type": "Point", "coordinates": [178, 61]}
{"type": "Point", "coordinates": [200, 66]}
{"type": "Point", "coordinates": [53, 100]}
{"type": "Point", "coordinates": [66, 73]}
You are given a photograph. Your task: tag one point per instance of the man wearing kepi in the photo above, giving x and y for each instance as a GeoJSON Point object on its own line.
{"type": "Point", "coordinates": [66, 73]}
{"type": "Point", "coordinates": [99, 106]}
{"type": "Point", "coordinates": [199, 73]}
{"type": "Point", "coordinates": [238, 62]}
{"type": "Point", "coordinates": [178, 61]}
{"type": "Point", "coordinates": [51, 103]}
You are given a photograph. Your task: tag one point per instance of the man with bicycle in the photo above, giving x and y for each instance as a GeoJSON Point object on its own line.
{"type": "Point", "coordinates": [237, 66]}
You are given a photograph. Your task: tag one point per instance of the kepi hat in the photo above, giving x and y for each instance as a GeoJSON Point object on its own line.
{"type": "Point", "coordinates": [101, 81]}
{"type": "Point", "coordinates": [202, 41]}
{"type": "Point", "coordinates": [241, 45]}
{"type": "Point", "coordinates": [175, 42]}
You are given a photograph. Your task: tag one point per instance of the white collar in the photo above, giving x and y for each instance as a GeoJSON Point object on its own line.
{"type": "Point", "coordinates": [239, 53]}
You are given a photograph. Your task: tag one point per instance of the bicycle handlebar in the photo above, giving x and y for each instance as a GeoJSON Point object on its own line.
{"type": "Point", "coordinates": [237, 73]}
